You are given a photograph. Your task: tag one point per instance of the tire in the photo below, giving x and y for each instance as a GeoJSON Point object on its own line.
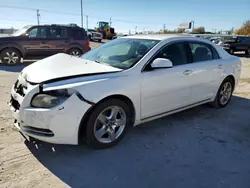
{"type": "Point", "coordinates": [218, 102]}
{"type": "Point", "coordinates": [231, 51]}
{"type": "Point", "coordinates": [75, 52]}
{"type": "Point", "coordinates": [100, 135]}
{"type": "Point", "coordinates": [90, 37]}
{"type": "Point", "coordinates": [100, 40]}
{"type": "Point", "coordinates": [10, 56]}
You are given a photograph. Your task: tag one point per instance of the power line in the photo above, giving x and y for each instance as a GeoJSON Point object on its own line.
{"type": "Point", "coordinates": [73, 14]}
{"type": "Point", "coordinates": [34, 9]}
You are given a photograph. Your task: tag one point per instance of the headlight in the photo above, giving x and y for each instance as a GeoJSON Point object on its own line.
{"type": "Point", "coordinates": [50, 98]}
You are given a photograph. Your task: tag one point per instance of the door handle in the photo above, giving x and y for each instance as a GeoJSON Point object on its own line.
{"type": "Point", "coordinates": [188, 72]}
{"type": "Point", "coordinates": [220, 66]}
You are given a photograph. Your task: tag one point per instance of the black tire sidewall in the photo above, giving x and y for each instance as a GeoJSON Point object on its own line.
{"type": "Point", "coordinates": [217, 102]}
{"type": "Point", "coordinates": [89, 129]}
{"type": "Point", "coordinates": [10, 50]}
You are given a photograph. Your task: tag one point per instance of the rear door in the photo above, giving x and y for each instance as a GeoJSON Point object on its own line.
{"type": "Point", "coordinates": [207, 68]}
{"type": "Point", "coordinates": [57, 39]}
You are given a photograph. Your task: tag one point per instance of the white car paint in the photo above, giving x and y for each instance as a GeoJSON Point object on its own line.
{"type": "Point", "coordinates": [154, 94]}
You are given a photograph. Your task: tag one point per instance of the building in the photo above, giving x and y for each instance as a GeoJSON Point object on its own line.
{"type": "Point", "coordinates": [7, 31]}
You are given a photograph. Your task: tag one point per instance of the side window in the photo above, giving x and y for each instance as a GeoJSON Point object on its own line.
{"type": "Point", "coordinates": [203, 52]}
{"type": "Point", "coordinates": [247, 41]}
{"type": "Point", "coordinates": [58, 33]}
{"type": "Point", "coordinates": [33, 33]}
{"type": "Point", "coordinates": [77, 34]}
{"type": "Point", "coordinates": [38, 32]}
{"type": "Point", "coordinates": [174, 52]}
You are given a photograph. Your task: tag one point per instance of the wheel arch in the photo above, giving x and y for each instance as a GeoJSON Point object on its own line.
{"type": "Point", "coordinates": [85, 117]}
{"type": "Point", "coordinates": [231, 77]}
{"type": "Point", "coordinates": [13, 46]}
{"type": "Point", "coordinates": [72, 46]}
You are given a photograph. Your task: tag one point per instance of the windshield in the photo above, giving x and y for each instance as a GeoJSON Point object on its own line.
{"type": "Point", "coordinates": [21, 31]}
{"type": "Point", "coordinates": [121, 53]}
{"type": "Point", "coordinates": [91, 30]}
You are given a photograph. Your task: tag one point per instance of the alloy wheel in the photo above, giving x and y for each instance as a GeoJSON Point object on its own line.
{"type": "Point", "coordinates": [110, 124]}
{"type": "Point", "coordinates": [75, 53]}
{"type": "Point", "coordinates": [225, 93]}
{"type": "Point", "coordinates": [10, 58]}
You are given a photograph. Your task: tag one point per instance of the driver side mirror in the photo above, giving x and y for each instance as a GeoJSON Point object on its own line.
{"type": "Point", "coordinates": [26, 34]}
{"type": "Point", "coordinates": [161, 63]}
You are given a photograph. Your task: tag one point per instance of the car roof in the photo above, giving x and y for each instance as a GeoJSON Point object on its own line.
{"type": "Point", "coordinates": [158, 36]}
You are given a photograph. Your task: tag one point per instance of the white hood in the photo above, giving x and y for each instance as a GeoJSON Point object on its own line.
{"type": "Point", "coordinates": [63, 65]}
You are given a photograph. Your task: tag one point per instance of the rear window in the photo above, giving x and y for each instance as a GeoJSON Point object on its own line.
{"type": "Point", "coordinates": [58, 32]}
{"type": "Point", "coordinates": [78, 34]}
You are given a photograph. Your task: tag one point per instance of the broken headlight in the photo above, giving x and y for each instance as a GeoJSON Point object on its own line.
{"type": "Point", "coordinates": [49, 99]}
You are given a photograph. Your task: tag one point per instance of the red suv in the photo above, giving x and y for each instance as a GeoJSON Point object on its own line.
{"type": "Point", "coordinates": [43, 40]}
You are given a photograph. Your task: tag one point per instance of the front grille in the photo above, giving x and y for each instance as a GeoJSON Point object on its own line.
{"type": "Point", "coordinates": [19, 88]}
{"type": "Point", "coordinates": [38, 131]}
{"type": "Point", "coordinates": [14, 103]}
{"type": "Point", "coordinates": [97, 35]}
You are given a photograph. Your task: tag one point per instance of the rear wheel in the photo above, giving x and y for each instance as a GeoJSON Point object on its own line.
{"type": "Point", "coordinates": [10, 56]}
{"type": "Point", "coordinates": [75, 52]}
{"type": "Point", "coordinates": [107, 123]}
{"type": "Point", "coordinates": [224, 94]}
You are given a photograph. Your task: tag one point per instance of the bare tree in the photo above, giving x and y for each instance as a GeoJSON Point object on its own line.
{"type": "Point", "coordinates": [245, 29]}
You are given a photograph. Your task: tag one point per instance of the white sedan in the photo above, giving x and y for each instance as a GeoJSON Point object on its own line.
{"type": "Point", "coordinates": [64, 99]}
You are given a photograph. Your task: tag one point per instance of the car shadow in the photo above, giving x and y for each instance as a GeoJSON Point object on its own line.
{"type": "Point", "coordinates": [188, 148]}
{"type": "Point", "coordinates": [15, 68]}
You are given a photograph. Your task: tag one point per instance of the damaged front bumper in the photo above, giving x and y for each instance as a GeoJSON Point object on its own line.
{"type": "Point", "coordinates": [58, 125]}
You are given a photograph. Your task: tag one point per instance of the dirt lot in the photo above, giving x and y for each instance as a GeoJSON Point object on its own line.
{"type": "Point", "coordinates": [200, 147]}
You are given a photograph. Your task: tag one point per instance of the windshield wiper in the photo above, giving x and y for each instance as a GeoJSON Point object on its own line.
{"type": "Point", "coordinates": [103, 63]}
{"type": "Point", "coordinates": [98, 61]}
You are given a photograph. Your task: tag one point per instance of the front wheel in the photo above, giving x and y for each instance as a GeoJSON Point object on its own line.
{"type": "Point", "coordinates": [224, 94]}
{"type": "Point", "coordinates": [10, 56]}
{"type": "Point", "coordinates": [99, 40]}
{"type": "Point", "coordinates": [107, 123]}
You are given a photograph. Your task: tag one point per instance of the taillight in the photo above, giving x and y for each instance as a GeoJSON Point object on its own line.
{"type": "Point", "coordinates": [88, 43]}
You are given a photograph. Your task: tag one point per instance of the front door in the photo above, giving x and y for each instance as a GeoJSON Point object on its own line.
{"type": "Point", "coordinates": [36, 42]}
{"type": "Point", "coordinates": [166, 89]}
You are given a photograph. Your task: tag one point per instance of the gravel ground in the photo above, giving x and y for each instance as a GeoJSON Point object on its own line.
{"type": "Point", "coordinates": [201, 147]}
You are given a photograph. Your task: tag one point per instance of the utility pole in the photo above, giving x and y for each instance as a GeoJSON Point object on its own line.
{"type": "Point", "coordinates": [164, 28]}
{"type": "Point", "coordinates": [135, 29]}
{"type": "Point", "coordinates": [110, 22]}
{"type": "Point", "coordinates": [87, 21]}
{"type": "Point", "coordinates": [192, 24]}
{"type": "Point", "coordinates": [81, 15]}
{"type": "Point", "coordinates": [38, 17]}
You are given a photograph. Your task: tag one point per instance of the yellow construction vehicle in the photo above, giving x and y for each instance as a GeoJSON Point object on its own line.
{"type": "Point", "coordinates": [107, 31]}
